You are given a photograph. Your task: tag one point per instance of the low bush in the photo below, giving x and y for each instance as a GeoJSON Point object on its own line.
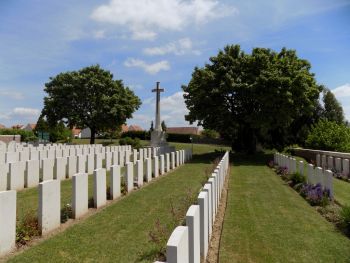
{"type": "Point", "coordinates": [66, 213]}
{"type": "Point", "coordinates": [297, 178]}
{"type": "Point", "coordinates": [316, 195]}
{"type": "Point", "coordinates": [27, 229]}
{"type": "Point", "coordinates": [345, 216]}
{"type": "Point", "coordinates": [142, 135]}
{"type": "Point", "coordinates": [26, 136]}
{"type": "Point", "coordinates": [135, 143]}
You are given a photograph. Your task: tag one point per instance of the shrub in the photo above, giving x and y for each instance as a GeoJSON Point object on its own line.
{"type": "Point", "coordinates": [27, 229]}
{"type": "Point", "coordinates": [25, 135]}
{"type": "Point", "coordinates": [327, 135]}
{"type": "Point", "coordinates": [207, 133]}
{"type": "Point", "coordinates": [142, 135]}
{"type": "Point", "coordinates": [66, 213]}
{"type": "Point", "coordinates": [135, 143]}
{"type": "Point", "coordinates": [174, 137]}
{"type": "Point", "coordinates": [315, 194]}
{"type": "Point", "coordinates": [297, 178]}
{"type": "Point", "coordinates": [345, 216]}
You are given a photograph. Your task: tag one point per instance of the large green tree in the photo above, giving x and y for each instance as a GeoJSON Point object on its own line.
{"type": "Point", "coordinates": [89, 98]}
{"type": "Point", "coordinates": [333, 111]}
{"type": "Point", "coordinates": [264, 97]}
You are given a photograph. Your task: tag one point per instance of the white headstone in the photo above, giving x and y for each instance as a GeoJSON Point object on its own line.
{"type": "Point", "coordinates": [177, 246]}
{"type": "Point", "coordinates": [32, 173]}
{"type": "Point", "coordinates": [139, 169]}
{"type": "Point", "coordinates": [100, 194]}
{"type": "Point", "coordinates": [80, 199]}
{"type": "Point", "coordinates": [49, 211]}
{"type": "Point", "coordinates": [129, 177]}
{"type": "Point", "coordinates": [193, 223]}
{"type": "Point", "coordinates": [7, 221]}
{"type": "Point", "coordinates": [115, 182]}
{"type": "Point", "coordinates": [203, 203]}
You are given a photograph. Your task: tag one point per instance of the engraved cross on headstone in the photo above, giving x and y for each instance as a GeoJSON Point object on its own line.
{"type": "Point", "coordinates": [158, 91]}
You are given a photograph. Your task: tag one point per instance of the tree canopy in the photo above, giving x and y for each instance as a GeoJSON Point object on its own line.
{"type": "Point", "coordinates": [88, 98]}
{"type": "Point", "coordinates": [333, 111]}
{"type": "Point", "coordinates": [264, 97]}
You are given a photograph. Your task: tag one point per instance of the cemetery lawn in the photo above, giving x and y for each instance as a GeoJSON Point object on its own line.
{"type": "Point", "coordinates": [120, 232]}
{"type": "Point", "coordinates": [267, 221]}
{"type": "Point", "coordinates": [341, 191]}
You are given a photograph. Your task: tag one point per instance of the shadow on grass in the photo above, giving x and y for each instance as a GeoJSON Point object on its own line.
{"type": "Point", "coordinates": [257, 159]}
{"type": "Point", "coordinates": [206, 158]}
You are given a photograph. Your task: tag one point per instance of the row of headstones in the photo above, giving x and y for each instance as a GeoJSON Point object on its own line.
{"type": "Point", "coordinates": [314, 175]}
{"type": "Point", "coordinates": [17, 147]}
{"type": "Point", "coordinates": [64, 151]}
{"type": "Point", "coordinates": [189, 244]}
{"type": "Point", "coordinates": [340, 165]}
{"type": "Point", "coordinates": [49, 209]}
{"type": "Point", "coordinates": [26, 174]}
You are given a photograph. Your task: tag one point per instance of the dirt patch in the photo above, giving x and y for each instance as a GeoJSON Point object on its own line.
{"type": "Point", "coordinates": [214, 245]}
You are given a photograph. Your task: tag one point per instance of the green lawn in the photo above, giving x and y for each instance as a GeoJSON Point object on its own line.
{"type": "Point", "coordinates": [267, 221]}
{"type": "Point", "coordinates": [120, 232]}
{"type": "Point", "coordinates": [341, 191]}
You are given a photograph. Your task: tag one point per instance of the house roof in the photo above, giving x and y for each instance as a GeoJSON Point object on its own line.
{"type": "Point", "coordinates": [125, 128]}
{"type": "Point", "coordinates": [17, 126]}
{"type": "Point", "coordinates": [2, 126]}
{"type": "Point", "coordinates": [31, 125]}
{"type": "Point", "coordinates": [183, 130]}
{"type": "Point", "coordinates": [76, 131]}
{"type": "Point", "coordinates": [135, 128]}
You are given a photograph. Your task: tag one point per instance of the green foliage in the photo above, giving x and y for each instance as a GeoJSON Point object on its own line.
{"type": "Point", "coordinates": [207, 133]}
{"type": "Point", "coordinates": [266, 96]}
{"type": "Point", "coordinates": [174, 137]}
{"type": "Point", "coordinates": [26, 229]}
{"type": "Point", "coordinates": [66, 213]}
{"type": "Point", "coordinates": [163, 126]}
{"type": "Point", "coordinates": [26, 136]}
{"type": "Point", "coordinates": [135, 143]}
{"type": "Point", "coordinates": [333, 110]}
{"type": "Point", "coordinates": [329, 136]}
{"type": "Point", "coordinates": [89, 98]}
{"type": "Point", "coordinates": [297, 178]}
{"type": "Point", "coordinates": [345, 216]}
{"type": "Point", "coordinates": [57, 131]}
{"type": "Point", "coordinates": [142, 135]}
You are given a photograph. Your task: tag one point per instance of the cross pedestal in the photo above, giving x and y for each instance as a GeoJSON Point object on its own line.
{"type": "Point", "coordinates": [158, 137]}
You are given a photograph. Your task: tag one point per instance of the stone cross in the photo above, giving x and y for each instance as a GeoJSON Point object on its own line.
{"type": "Point", "coordinates": [158, 91]}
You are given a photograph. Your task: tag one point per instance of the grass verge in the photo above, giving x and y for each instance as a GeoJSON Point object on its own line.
{"type": "Point", "coordinates": [120, 232]}
{"type": "Point", "coordinates": [267, 221]}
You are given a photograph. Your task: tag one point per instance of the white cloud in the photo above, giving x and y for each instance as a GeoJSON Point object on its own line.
{"type": "Point", "coordinates": [149, 68]}
{"type": "Point", "coordinates": [342, 91]}
{"type": "Point", "coordinates": [144, 17]}
{"type": "Point", "coordinates": [180, 47]}
{"type": "Point", "coordinates": [25, 112]}
{"type": "Point", "coordinates": [20, 115]}
{"type": "Point", "coordinates": [99, 34]}
{"type": "Point", "coordinates": [12, 94]}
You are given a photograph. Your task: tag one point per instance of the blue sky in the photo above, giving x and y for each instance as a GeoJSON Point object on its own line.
{"type": "Point", "coordinates": [144, 41]}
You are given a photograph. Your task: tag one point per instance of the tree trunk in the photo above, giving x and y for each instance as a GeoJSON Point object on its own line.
{"type": "Point", "coordinates": [92, 137]}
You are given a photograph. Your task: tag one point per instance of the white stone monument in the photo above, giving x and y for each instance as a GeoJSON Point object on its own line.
{"type": "Point", "coordinates": [158, 137]}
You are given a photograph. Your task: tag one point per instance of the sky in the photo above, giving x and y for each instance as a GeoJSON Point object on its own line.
{"type": "Point", "coordinates": [145, 41]}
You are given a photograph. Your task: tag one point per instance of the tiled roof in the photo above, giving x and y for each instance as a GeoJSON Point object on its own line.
{"type": "Point", "coordinates": [135, 128]}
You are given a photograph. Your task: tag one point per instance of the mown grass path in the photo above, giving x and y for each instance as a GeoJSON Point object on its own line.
{"type": "Point", "coordinates": [120, 233]}
{"type": "Point", "coordinates": [267, 221]}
